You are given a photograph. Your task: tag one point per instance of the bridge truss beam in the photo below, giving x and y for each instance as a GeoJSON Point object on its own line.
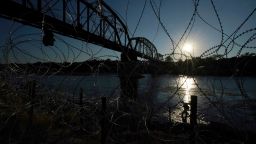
{"type": "Point", "coordinates": [87, 20]}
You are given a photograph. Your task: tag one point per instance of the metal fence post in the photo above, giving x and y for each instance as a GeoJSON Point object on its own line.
{"type": "Point", "coordinates": [81, 107]}
{"type": "Point", "coordinates": [193, 115]}
{"type": "Point", "coordinates": [103, 120]}
{"type": "Point", "coordinates": [193, 118]}
{"type": "Point", "coordinates": [32, 87]}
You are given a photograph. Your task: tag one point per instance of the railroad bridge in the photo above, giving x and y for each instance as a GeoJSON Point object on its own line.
{"type": "Point", "coordinates": [92, 21]}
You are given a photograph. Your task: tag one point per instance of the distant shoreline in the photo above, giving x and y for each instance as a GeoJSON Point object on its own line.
{"type": "Point", "coordinates": [235, 66]}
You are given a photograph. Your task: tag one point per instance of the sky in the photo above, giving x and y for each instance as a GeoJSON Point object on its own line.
{"type": "Point", "coordinates": [173, 16]}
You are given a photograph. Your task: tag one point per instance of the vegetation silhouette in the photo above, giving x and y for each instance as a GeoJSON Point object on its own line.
{"type": "Point", "coordinates": [213, 66]}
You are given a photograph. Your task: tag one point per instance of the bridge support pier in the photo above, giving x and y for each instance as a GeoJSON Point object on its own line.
{"type": "Point", "coordinates": [128, 57]}
{"type": "Point", "coordinates": [128, 74]}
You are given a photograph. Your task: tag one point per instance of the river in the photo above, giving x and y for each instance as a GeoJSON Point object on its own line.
{"type": "Point", "coordinates": [230, 100]}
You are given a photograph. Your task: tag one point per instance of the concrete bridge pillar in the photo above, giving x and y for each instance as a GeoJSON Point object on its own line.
{"type": "Point", "coordinates": [128, 74]}
{"type": "Point", "coordinates": [128, 57]}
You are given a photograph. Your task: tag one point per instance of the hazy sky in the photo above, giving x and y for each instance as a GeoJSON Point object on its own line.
{"type": "Point", "coordinates": [175, 16]}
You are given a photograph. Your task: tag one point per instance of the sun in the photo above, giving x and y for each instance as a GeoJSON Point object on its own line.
{"type": "Point", "coordinates": [188, 47]}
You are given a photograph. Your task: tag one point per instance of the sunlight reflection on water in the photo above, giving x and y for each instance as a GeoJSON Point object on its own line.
{"type": "Point", "coordinates": [187, 84]}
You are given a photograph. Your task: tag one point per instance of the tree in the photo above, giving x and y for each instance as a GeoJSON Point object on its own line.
{"type": "Point", "coordinates": [168, 59]}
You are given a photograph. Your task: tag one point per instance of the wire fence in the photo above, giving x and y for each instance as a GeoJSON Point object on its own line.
{"type": "Point", "coordinates": [72, 92]}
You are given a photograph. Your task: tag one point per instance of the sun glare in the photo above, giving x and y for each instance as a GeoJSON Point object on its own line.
{"type": "Point", "coordinates": [187, 47]}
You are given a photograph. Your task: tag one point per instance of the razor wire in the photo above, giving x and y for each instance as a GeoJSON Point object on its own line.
{"type": "Point", "coordinates": [59, 59]}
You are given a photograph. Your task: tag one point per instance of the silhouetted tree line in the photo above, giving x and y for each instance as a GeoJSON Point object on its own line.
{"type": "Point", "coordinates": [215, 65]}
{"type": "Point", "coordinates": [245, 65]}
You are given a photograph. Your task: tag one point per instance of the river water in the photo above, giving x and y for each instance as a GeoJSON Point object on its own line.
{"type": "Point", "coordinates": [230, 100]}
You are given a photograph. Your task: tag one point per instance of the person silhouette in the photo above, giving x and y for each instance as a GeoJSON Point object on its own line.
{"type": "Point", "coordinates": [184, 114]}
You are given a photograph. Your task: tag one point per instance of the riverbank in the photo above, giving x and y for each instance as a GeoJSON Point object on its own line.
{"type": "Point", "coordinates": [196, 66]}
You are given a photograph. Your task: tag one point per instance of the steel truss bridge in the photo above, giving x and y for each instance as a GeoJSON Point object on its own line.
{"type": "Point", "coordinates": [92, 21]}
